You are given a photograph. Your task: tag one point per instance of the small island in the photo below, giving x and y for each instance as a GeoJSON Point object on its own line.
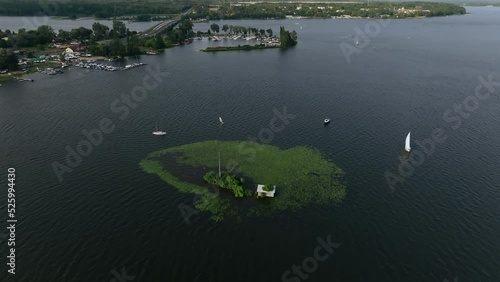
{"type": "Point", "coordinates": [286, 40]}
{"type": "Point", "coordinates": [304, 177]}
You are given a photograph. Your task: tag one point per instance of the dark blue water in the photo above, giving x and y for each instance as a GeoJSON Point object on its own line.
{"type": "Point", "coordinates": [107, 214]}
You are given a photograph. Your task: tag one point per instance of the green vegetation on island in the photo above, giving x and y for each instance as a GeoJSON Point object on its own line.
{"type": "Point", "coordinates": [287, 39]}
{"type": "Point", "coordinates": [228, 181]}
{"type": "Point", "coordinates": [303, 176]}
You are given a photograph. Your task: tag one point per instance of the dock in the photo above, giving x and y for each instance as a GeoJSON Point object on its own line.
{"type": "Point", "coordinates": [104, 67]}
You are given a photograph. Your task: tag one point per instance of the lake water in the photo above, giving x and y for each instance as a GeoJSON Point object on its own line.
{"type": "Point", "coordinates": [107, 214]}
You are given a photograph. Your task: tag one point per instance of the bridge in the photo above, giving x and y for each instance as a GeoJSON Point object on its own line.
{"type": "Point", "coordinates": [165, 24]}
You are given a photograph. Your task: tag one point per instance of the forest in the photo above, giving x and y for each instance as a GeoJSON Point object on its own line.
{"type": "Point", "coordinates": [97, 9]}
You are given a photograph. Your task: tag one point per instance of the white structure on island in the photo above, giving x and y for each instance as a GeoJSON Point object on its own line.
{"type": "Point", "coordinates": [262, 192]}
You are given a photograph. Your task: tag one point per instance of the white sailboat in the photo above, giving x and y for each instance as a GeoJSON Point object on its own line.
{"type": "Point", "coordinates": [220, 119]}
{"type": "Point", "coordinates": [159, 132]}
{"type": "Point", "coordinates": [407, 143]}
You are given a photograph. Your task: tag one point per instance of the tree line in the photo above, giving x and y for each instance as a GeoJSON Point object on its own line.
{"type": "Point", "coordinates": [287, 38]}
{"type": "Point", "coordinates": [326, 10]}
{"type": "Point", "coordinates": [233, 29]}
{"type": "Point", "coordinates": [45, 34]}
{"type": "Point", "coordinates": [98, 9]}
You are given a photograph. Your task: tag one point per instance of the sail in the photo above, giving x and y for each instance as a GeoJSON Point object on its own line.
{"type": "Point", "coordinates": [407, 143]}
{"type": "Point", "coordinates": [220, 119]}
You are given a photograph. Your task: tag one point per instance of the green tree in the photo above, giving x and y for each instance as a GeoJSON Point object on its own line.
{"type": "Point", "coordinates": [117, 48]}
{"type": "Point", "coordinates": [81, 33]}
{"type": "Point", "coordinates": [178, 36]}
{"type": "Point", "coordinates": [214, 27]}
{"type": "Point", "coordinates": [100, 31]}
{"type": "Point", "coordinates": [119, 29]}
{"type": "Point", "coordinates": [225, 28]}
{"type": "Point", "coordinates": [8, 60]}
{"type": "Point", "coordinates": [186, 26]}
{"type": "Point", "coordinates": [159, 42]}
{"type": "Point", "coordinates": [286, 39]}
{"type": "Point", "coordinates": [45, 34]}
{"type": "Point", "coordinates": [64, 34]}
{"type": "Point", "coordinates": [270, 32]}
{"type": "Point", "coordinates": [150, 43]}
{"type": "Point", "coordinates": [133, 45]}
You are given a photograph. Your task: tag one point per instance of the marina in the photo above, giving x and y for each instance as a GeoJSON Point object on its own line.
{"type": "Point", "coordinates": [104, 67]}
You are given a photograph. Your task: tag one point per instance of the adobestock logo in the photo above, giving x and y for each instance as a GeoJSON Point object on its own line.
{"type": "Point", "coordinates": [310, 264]}
{"type": "Point", "coordinates": [121, 109]}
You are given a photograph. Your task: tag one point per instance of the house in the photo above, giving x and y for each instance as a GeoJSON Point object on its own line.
{"type": "Point", "coordinates": [262, 192]}
{"type": "Point", "coordinates": [75, 46]}
{"type": "Point", "coordinates": [214, 8]}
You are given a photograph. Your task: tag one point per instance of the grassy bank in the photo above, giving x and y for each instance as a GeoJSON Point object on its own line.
{"type": "Point", "coordinates": [302, 176]}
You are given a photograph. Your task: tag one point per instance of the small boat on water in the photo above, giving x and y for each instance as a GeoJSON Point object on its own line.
{"type": "Point", "coordinates": [326, 121]}
{"type": "Point", "coordinates": [21, 79]}
{"type": "Point", "coordinates": [407, 142]}
{"type": "Point", "coordinates": [159, 132]}
{"type": "Point", "coordinates": [220, 120]}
